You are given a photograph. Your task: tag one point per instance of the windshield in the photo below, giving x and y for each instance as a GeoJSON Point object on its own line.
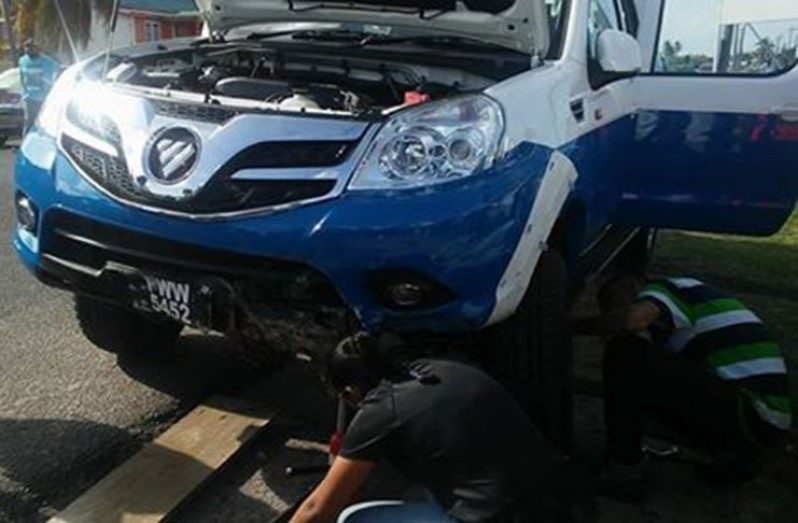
{"type": "Point", "coordinates": [9, 79]}
{"type": "Point", "coordinates": [734, 37]}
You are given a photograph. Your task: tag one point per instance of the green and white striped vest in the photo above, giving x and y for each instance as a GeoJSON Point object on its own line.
{"type": "Point", "coordinates": [729, 339]}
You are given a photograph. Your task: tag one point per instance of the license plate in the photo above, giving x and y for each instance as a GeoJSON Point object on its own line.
{"type": "Point", "coordinates": [177, 300]}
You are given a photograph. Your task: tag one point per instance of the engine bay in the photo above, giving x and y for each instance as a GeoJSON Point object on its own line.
{"type": "Point", "coordinates": [294, 78]}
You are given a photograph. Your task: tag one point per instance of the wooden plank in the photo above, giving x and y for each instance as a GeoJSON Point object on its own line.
{"type": "Point", "coordinates": [152, 483]}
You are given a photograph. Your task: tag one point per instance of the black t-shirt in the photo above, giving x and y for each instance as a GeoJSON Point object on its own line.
{"type": "Point", "coordinates": [459, 434]}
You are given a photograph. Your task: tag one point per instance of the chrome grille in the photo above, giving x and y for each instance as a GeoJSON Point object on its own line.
{"type": "Point", "coordinates": [189, 111]}
{"type": "Point", "coordinates": [223, 194]}
{"type": "Point", "coordinates": [276, 159]}
{"type": "Point", "coordinates": [107, 171]}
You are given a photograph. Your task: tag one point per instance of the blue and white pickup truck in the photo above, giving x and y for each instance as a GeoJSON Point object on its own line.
{"type": "Point", "coordinates": [446, 166]}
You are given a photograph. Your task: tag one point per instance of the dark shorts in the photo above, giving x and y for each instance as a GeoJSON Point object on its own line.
{"type": "Point", "coordinates": [32, 109]}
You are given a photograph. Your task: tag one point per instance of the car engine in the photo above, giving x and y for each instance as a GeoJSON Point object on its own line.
{"type": "Point", "coordinates": [301, 80]}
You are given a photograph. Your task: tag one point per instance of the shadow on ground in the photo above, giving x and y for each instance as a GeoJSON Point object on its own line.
{"type": "Point", "coordinates": [676, 496]}
{"type": "Point", "coordinates": [49, 462]}
{"type": "Point", "coordinates": [49, 458]}
{"type": "Point", "coordinates": [197, 366]}
{"type": "Point", "coordinates": [66, 479]}
{"type": "Point", "coordinates": [255, 486]}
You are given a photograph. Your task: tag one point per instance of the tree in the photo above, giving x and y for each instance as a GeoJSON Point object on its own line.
{"type": "Point", "coordinates": [8, 31]}
{"type": "Point", "coordinates": [766, 54]}
{"type": "Point", "coordinates": [788, 56]}
{"type": "Point", "coordinates": [674, 60]}
{"type": "Point", "coordinates": [671, 50]}
{"type": "Point", "coordinates": [39, 18]}
{"type": "Point", "coordinates": [671, 56]}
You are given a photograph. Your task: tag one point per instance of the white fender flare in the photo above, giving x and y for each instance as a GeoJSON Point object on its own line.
{"type": "Point", "coordinates": [555, 187]}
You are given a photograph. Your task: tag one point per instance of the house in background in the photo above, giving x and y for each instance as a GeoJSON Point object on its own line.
{"type": "Point", "coordinates": [145, 21]}
{"type": "Point", "coordinates": [161, 19]}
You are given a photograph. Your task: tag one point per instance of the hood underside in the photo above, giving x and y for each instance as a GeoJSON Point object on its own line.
{"type": "Point", "coordinates": [516, 24]}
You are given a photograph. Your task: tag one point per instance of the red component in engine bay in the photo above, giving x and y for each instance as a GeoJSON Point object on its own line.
{"type": "Point", "coordinates": [416, 97]}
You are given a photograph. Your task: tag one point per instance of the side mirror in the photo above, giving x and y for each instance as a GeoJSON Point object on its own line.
{"type": "Point", "coordinates": [618, 53]}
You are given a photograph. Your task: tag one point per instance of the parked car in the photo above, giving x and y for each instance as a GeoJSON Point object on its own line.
{"type": "Point", "coordinates": [448, 168]}
{"type": "Point", "coordinates": [12, 110]}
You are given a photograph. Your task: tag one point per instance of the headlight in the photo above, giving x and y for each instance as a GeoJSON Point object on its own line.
{"type": "Point", "coordinates": [433, 143]}
{"type": "Point", "coordinates": [49, 120]}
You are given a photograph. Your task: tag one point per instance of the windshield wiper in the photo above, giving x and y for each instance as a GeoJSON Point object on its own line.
{"type": "Point", "coordinates": [365, 39]}
{"type": "Point", "coordinates": [275, 34]}
{"type": "Point", "coordinates": [332, 35]}
{"type": "Point", "coordinates": [221, 37]}
{"type": "Point", "coordinates": [298, 34]}
{"type": "Point", "coordinates": [431, 41]}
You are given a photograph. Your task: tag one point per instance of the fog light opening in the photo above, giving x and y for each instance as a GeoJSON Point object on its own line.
{"type": "Point", "coordinates": [407, 290]}
{"type": "Point", "coordinates": [406, 294]}
{"type": "Point", "coordinates": [27, 214]}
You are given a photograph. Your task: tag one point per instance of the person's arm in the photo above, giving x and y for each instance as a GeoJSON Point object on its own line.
{"type": "Point", "coordinates": [22, 79]}
{"type": "Point", "coordinates": [636, 317]}
{"type": "Point", "coordinates": [55, 67]}
{"type": "Point", "coordinates": [337, 490]}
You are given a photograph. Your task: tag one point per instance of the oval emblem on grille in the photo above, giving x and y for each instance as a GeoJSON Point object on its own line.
{"type": "Point", "coordinates": [173, 154]}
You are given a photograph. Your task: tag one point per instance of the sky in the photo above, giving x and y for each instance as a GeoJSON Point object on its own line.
{"type": "Point", "coordinates": [697, 32]}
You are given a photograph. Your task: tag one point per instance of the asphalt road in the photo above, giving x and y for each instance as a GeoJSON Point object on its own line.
{"type": "Point", "coordinates": [70, 412]}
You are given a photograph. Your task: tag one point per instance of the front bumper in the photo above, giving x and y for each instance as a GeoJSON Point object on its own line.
{"type": "Point", "coordinates": [460, 236]}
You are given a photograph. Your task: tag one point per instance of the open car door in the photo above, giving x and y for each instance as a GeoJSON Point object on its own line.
{"type": "Point", "coordinates": [715, 146]}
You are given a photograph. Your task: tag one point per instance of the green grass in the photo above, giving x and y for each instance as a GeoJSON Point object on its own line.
{"type": "Point", "coordinates": [761, 271]}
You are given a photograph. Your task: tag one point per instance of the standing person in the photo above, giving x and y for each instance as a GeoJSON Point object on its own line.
{"type": "Point", "coordinates": [697, 358]}
{"type": "Point", "coordinates": [37, 72]}
{"type": "Point", "coordinates": [446, 425]}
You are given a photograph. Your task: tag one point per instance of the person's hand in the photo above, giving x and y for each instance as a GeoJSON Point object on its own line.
{"type": "Point", "coordinates": [335, 492]}
{"type": "Point", "coordinates": [635, 318]}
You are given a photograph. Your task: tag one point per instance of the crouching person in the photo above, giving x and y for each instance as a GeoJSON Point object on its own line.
{"type": "Point", "coordinates": [447, 426]}
{"type": "Point", "coordinates": [697, 359]}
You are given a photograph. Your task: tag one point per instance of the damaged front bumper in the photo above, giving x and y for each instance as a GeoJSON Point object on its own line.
{"type": "Point", "coordinates": [333, 265]}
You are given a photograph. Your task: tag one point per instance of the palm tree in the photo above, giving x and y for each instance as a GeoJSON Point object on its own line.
{"type": "Point", "coordinates": [671, 50]}
{"type": "Point", "coordinates": [39, 18]}
{"type": "Point", "coordinates": [766, 54]}
{"type": "Point", "coordinates": [669, 55]}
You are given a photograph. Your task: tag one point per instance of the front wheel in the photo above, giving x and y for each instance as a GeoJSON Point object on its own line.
{"type": "Point", "coordinates": [534, 355]}
{"type": "Point", "coordinates": [122, 331]}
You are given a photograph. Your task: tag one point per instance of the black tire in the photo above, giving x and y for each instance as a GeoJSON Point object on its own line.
{"type": "Point", "coordinates": [535, 355]}
{"type": "Point", "coordinates": [122, 331]}
{"type": "Point", "coordinates": [3, 140]}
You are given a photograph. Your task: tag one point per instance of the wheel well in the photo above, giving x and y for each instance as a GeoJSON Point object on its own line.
{"type": "Point", "coordinates": [568, 232]}
{"type": "Point", "coordinates": [567, 237]}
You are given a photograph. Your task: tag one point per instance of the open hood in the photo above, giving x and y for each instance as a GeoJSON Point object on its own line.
{"type": "Point", "coordinates": [516, 24]}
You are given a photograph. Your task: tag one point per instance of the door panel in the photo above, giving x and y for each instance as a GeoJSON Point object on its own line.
{"type": "Point", "coordinates": [607, 127]}
{"type": "Point", "coordinates": [707, 171]}
{"type": "Point", "coordinates": [715, 151]}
